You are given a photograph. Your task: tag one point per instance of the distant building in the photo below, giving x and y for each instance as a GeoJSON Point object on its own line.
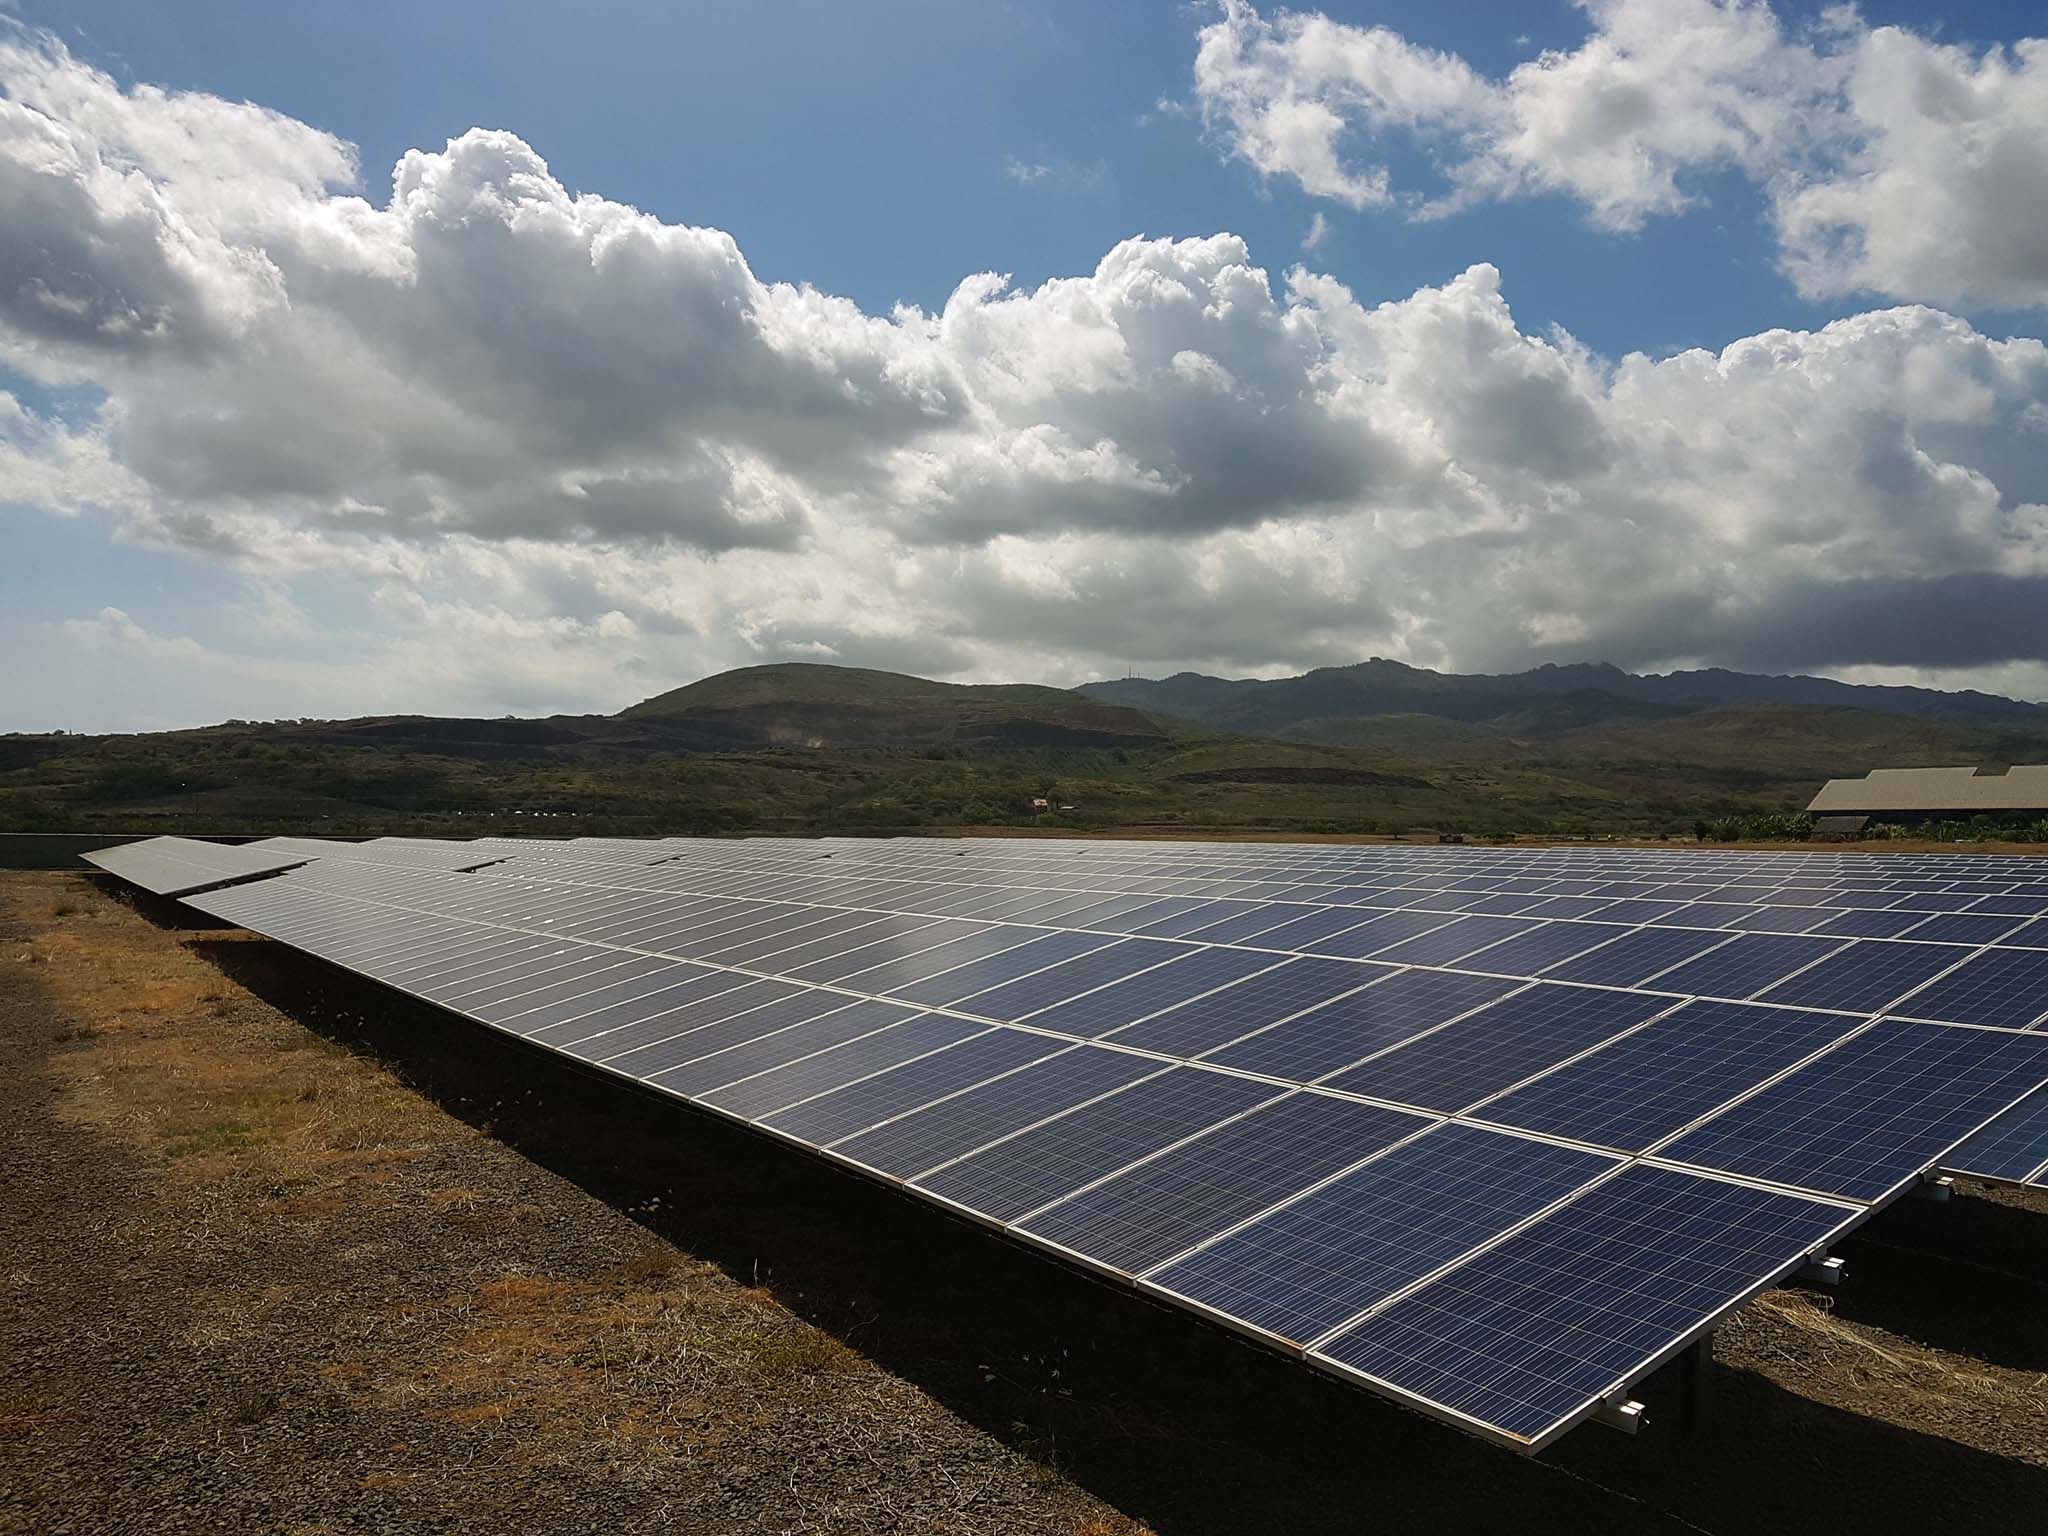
{"type": "Point", "coordinates": [1913, 794]}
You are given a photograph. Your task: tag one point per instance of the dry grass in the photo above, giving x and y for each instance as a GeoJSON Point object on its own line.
{"type": "Point", "coordinates": [266, 1138]}
{"type": "Point", "coordinates": [1880, 1373]}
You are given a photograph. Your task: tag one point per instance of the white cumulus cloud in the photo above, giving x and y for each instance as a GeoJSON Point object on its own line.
{"type": "Point", "coordinates": [1891, 163]}
{"type": "Point", "coordinates": [487, 443]}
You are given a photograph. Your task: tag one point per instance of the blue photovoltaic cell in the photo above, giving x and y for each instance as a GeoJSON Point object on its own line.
{"type": "Point", "coordinates": [1873, 1111]}
{"type": "Point", "coordinates": [1329, 1255]}
{"type": "Point", "coordinates": [837, 1066]}
{"type": "Point", "coordinates": [1919, 902]}
{"type": "Point", "coordinates": [2012, 1147]}
{"type": "Point", "coordinates": [844, 1111]}
{"type": "Point", "coordinates": [1667, 1074]}
{"type": "Point", "coordinates": [1743, 967]}
{"type": "Point", "coordinates": [1630, 958]}
{"type": "Point", "coordinates": [1303, 932]}
{"type": "Point", "coordinates": [586, 975]}
{"type": "Point", "coordinates": [1239, 926]}
{"type": "Point", "coordinates": [950, 986]}
{"type": "Point", "coordinates": [1870, 925]}
{"type": "Point", "coordinates": [702, 982]}
{"type": "Point", "coordinates": [1713, 914]}
{"type": "Point", "coordinates": [886, 938]}
{"type": "Point", "coordinates": [1963, 928]}
{"type": "Point", "coordinates": [1446, 944]}
{"type": "Point", "coordinates": [728, 1064]}
{"type": "Point", "coordinates": [1179, 925]}
{"type": "Point", "coordinates": [688, 1045]}
{"type": "Point", "coordinates": [1999, 986]}
{"type": "Point", "coordinates": [914, 1143]}
{"type": "Point", "coordinates": [1195, 972]}
{"type": "Point", "coordinates": [2031, 935]}
{"type": "Point", "coordinates": [2012, 905]}
{"type": "Point", "coordinates": [661, 1024]}
{"type": "Point", "coordinates": [1196, 1026]}
{"type": "Point", "coordinates": [1146, 1215]}
{"type": "Point", "coordinates": [1498, 1046]}
{"type": "Point", "coordinates": [657, 984]}
{"type": "Point", "coordinates": [1546, 945]}
{"type": "Point", "coordinates": [1769, 919]}
{"type": "Point", "coordinates": [1501, 905]}
{"type": "Point", "coordinates": [1531, 1332]}
{"type": "Point", "coordinates": [1865, 977]}
{"type": "Point", "coordinates": [912, 958]}
{"type": "Point", "coordinates": [1019, 999]}
{"type": "Point", "coordinates": [1040, 1165]}
{"type": "Point", "coordinates": [1343, 1031]}
{"type": "Point", "coordinates": [1378, 933]}
{"type": "Point", "coordinates": [1576, 906]}
{"type": "Point", "coordinates": [1642, 912]}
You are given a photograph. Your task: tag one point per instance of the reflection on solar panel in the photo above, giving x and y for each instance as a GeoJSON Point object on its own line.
{"type": "Point", "coordinates": [1492, 1131]}
{"type": "Point", "coordinates": [175, 866]}
{"type": "Point", "coordinates": [2014, 1147]}
{"type": "Point", "coordinates": [1544, 1325]}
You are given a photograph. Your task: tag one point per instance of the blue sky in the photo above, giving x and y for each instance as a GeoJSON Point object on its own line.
{"type": "Point", "coordinates": [883, 154]}
{"type": "Point", "coordinates": [864, 148]}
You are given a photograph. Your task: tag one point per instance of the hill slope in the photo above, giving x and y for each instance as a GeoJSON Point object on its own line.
{"type": "Point", "coordinates": [1548, 701]}
{"type": "Point", "coordinates": [804, 705]}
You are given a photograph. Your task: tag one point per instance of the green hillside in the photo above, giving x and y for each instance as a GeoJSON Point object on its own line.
{"type": "Point", "coordinates": [804, 749]}
{"type": "Point", "coordinates": [804, 705]}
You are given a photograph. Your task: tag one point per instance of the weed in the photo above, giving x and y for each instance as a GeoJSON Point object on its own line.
{"type": "Point", "coordinates": [252, 1407]}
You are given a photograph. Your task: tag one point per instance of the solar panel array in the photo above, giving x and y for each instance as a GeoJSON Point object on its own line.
{"type": "Point", "coordinates": [409, 852]}
{"type": "Point", "coordinates": [1493, 1132]}
{"type": "Point", "coordinates": [172, 866]}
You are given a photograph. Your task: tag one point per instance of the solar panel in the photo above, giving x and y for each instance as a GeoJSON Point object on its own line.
{"type": "Point", "coordinates": [937, 1133]}
{"type": "Point", "coordinates": [1664, 1076]}
{"type": "Point", "coordinates": [2012, 1148]}
{"type": "Point", "coordinates": [1483, 1053]}
{"type": "Point", "coordinates": [1744, 966]}
{"type": "Point", "coordinates": [1870, 1114]}
{"type": "Point", "coordinates": [1190, 975]}
{"type": "Point", "coordinates": [177, 866]}
{"type": "Point", "coordinates": [808, 1075]}
{"type": "Point", "coordinates": [1215, 1017]}
{"type": "Point", "coordinates": [1603, 1114]}
{"type": "Point", "coordinates": [1535, 1331]}
{"type": "Point", "coordinates": [1336, 1034]}
{"type": "Point", "coordinates": [1997, 986]}
{"type": "Point", "coordinates": [1626, 961]}
{"type": "Point", "coordinates": [868, 1102]}
{"type": "Point", "coordinates": [1077, 1147]}
{"type": "Point", "coordinates": [1321, 1260]}
{"type": "Point", "coordinates": [1166, 1205]}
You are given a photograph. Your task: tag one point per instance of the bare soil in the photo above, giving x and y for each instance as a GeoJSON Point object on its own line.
{"type": "Point", "coordinates": [282, 1251]}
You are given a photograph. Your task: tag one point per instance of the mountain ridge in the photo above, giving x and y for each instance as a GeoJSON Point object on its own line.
{"type": "Point", "coordinates": [1543, 701]}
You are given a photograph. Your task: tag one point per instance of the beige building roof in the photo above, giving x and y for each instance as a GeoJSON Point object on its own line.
{"type": "Point", "coordinates": [2019, 788]}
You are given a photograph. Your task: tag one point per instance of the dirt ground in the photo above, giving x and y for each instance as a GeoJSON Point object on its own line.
{"type": "Point", "coordinates": [283, 1252]}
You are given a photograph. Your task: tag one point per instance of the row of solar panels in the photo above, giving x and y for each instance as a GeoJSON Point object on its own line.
{"type": "Point", "coordinates": [1946, 980]}
{"type": "Point", "coordinates": [175, 866]}
{"type": "Point", "coordinates": [1500, 1198]}
{"type": "Point", "coordinates": [168, 864]}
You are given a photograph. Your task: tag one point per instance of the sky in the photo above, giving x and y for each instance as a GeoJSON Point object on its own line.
{"type": "Point", "coordinates": [386, 358]}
